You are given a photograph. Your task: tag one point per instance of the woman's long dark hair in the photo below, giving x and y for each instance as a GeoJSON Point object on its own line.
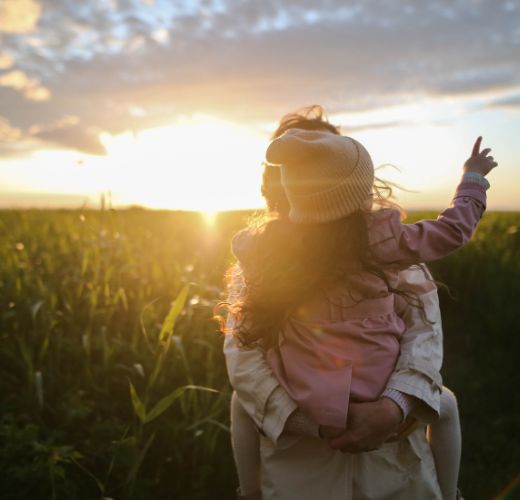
{"type": "Point", "coordinates": [291, 262]}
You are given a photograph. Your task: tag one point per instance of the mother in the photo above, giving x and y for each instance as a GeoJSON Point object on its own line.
{"type": "Point", "coordinates": [305, 467]}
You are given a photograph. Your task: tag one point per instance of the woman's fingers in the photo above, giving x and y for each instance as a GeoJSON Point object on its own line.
{"type": "Point", "coordinates": [476, 146]}
{"type": "Point", "coordinates": [485, 152]}
{"type": "Point", "coordinates": [340, 442]}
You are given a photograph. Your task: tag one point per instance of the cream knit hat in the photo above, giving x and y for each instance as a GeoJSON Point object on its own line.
{"type": "Point", "coordinates": [325, 176]}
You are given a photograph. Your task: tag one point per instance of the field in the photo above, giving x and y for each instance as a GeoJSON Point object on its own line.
{"type": "Point", "coordinates": [112, 380]}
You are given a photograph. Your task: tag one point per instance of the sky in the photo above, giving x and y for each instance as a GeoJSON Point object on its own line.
{"type": "Point", "coordinates": [170, 104]}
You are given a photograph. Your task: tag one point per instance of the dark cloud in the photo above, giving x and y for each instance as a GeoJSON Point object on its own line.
{"type": "Point", "coordinates": [511, 103]}
{"type": "Point", "coordinates": [83, 139]}
{"type": "Point", "coordinates": [252, 60]}
{"type": "Point", "coordinates": [348, 129]}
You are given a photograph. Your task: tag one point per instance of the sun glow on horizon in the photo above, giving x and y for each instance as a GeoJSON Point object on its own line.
{"type": "Point", "coordinates": [206, 164]}
{"type": "Point", "coordinates": [198, 163]}
{"type": "Point", "coordinates": [210, 217]}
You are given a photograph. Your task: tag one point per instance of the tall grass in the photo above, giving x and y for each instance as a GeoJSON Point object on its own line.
{"type": "Point", "coordinates": [482, 352]}
{"type": "Point", "coordinates": [112, 380]}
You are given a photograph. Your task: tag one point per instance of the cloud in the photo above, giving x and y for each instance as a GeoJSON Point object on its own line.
{"type": "Point", "coordinates": [352, 63]}
{"type": "Point", "coordinates": [249, 61]}
{"type": "Point", "coordinates": [349, 129]}
{"type": "Point", "coordinates": [6, 61]}
{"type": "Point", "coordinates": [71, 134]}
{"type": "Point", "coordinates": [13, 142]}
{"type": "Point", "coordinates": [80, 138]}
{"type": "Point", "coordinates": [29, 87]}
{"type": "Point", "coordinates": [510, 103]}
{"type": "Point", "coordinates": [66, 132]}
{"type": "Point", "coordinates": [19, 16]}
{"type": "Point", "coordinates": [63, 122]}
{"type": "Point", "coordinates": [8, 133]}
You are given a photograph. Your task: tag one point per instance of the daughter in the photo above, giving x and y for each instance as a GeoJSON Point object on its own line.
{"type": "Point", "coordinates": [321, 289]}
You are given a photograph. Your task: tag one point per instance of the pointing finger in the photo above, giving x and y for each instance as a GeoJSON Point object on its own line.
{"type": "Point", "coordinates": [476, 146]}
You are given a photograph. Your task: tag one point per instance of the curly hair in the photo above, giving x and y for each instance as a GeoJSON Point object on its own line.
{"type": "Point", "coordinates": [292, 262]}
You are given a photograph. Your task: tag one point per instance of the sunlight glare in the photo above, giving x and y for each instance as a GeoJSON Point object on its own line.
{"type": "Point", "coordinates": [210, 218]}
{"type": "Point", "coordinates": [197, 163]}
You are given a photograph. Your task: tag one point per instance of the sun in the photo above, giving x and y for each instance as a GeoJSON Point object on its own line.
{"type": "Point", "coordinates": [196, 163]}
{"type": "Point", "coordinates": [210, 217]}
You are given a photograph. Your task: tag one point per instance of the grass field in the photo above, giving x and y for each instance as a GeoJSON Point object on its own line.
{"type": "Point", "coordinates": [112, 380]}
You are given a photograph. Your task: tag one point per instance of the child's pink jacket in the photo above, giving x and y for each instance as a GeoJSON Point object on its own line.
{"type": "Point", "coordinates": [344, 344]}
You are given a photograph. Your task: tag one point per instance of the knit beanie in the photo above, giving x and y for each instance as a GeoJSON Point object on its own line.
{"type": "Point", "coordinates": [325, 176]}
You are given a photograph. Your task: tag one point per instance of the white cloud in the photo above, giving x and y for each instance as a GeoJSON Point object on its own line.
{"type": "Point", "coordinates": [29, 87]}
{"type": "Point", "coordinates": [251, 60]}
{"type": "Point", "coordinates": [8, 133]}
{"type": "Point", "coordinates": [19, 16]}
{"type": "Point", "coordinates": [161, 36]}
{"type": "Point", "coordinates": [6, 61]}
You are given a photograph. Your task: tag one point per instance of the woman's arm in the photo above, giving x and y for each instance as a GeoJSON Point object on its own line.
{"type": "Point", "coordinates": [258, 390]}
{"type": "Point", "coordinates": [417, 372]}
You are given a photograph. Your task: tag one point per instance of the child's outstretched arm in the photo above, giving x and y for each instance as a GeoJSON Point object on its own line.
{"type": "Point", "coordinates": [393, 242]}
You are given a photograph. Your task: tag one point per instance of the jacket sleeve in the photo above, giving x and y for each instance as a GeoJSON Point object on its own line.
{"type": "Point", "coordinates": [258, 390]}
{"type": "Point", "coordinates": [417, 372]}
{"type": "Point", "coordinates": [429, 240]}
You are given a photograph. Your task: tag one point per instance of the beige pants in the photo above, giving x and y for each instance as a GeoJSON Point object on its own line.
{"type": "Point", "coordinates": [302, 468]}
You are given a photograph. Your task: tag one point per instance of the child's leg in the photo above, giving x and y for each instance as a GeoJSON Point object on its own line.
{"type": "Point", "coordinates": [246, 449]}
{"type": "Point", "coordinates": [445, 440]}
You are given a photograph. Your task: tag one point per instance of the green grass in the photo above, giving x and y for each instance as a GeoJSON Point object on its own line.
{"type": "Point", "coordinates": [108, 352]}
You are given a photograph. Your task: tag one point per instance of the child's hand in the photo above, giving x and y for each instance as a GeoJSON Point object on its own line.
{"type": "Point", "coordinates": [479, 161]}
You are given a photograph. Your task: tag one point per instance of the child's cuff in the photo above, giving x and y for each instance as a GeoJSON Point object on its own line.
{"type": "Point", "coordinates": [405, 402]}
{"type": "Point", "coordinates": [476, 178]}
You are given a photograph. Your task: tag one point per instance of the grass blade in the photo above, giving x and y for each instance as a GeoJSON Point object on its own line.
{"type": "Point", "coordinates": [168, 400]}
{"type": "Point", "coordinates": [175, 310]}
{"type": "Point", "coordinates": [139, 408]}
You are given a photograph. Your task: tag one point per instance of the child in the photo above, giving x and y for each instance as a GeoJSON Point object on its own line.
{"type": "Point", "coordinates": [326, 280]}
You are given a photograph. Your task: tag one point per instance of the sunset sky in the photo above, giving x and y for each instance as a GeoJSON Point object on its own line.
{"type": "Point", "coordinates": [169, 104]}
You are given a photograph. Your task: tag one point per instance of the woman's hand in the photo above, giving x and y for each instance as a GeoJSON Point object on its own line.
{"type": "Point", "coordinates": [327, 432]}
{"type": "Point", "coordinates": [479, 161]}
{"type": "Point", "coordinates": [369, 426]}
